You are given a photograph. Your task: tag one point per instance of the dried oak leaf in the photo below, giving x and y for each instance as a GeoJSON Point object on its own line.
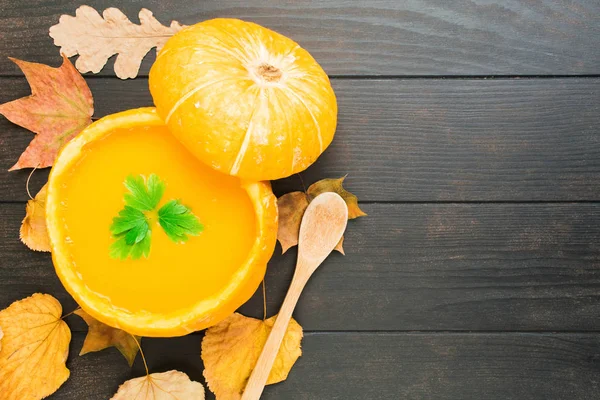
{"type": "Point", "coordinates": [292, 206]}
{"type": "Point", "coordinates": [59, 107]}
{"type": "Point", "coordinates": [34, 348]}
{"type": "Point", "coordinates": [231, 349]}
{"type": "Point", "coordinates": [101, 336]}
{"type": "Point", "coordinates": [34, 232]}
{"type": "Point", "coordinates": [161, 386]}
{"type": "Point", "coordinates": [96, 39]}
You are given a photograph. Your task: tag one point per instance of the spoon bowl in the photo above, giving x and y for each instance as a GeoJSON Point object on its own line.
{"type": "Point", "coordinates": [322, 228]}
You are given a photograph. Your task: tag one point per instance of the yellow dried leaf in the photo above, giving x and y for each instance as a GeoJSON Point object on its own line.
{"type": "Point", "coordinates": [161, 386]}
{"type": "Point", "coordinates": [101, 336]}
{"type": "Point", "coordinates": [36, 339]}
{"type": "Point", "coordinates": [335, 185]}
{"type": "Point", "coordinates": [231, 349]}
{"type": "Point", "coordinates": [33, 228]}
{"type": "Point", "coordinates": [96, 38]}
{"type": "Point", "coordinates": [292, 206]}
{"type": "Point", "coordinates": [1, 336]}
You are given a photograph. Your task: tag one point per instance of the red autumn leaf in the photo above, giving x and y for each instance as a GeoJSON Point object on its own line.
{"type": "Point", "coordinates": [59, 107]}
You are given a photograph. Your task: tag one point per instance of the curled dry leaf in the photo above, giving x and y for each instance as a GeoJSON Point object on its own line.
{"type": "Point", "coordinates": [101, 336]}
{"type": "Point", "coordinates": [34, 232]}
{"type": "Point", "coordinates": [96, 39]}
{"type": "Point", "coordinates": [292, 206]}
{"type": "Point", "coordinates": [59, 107]}
{"type": "Point", "coordinates": [231, 349]}
{"type": "Point", "coordinates": [336, 186]}
{"type": "Point", "coordinates": [36, 339]}
{"type": "Point", "coordinates": [161, 386]}
{"type": "Point", "coordinates": [291, 209]}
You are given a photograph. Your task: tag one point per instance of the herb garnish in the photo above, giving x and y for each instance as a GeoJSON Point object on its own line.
{"type": "Point", "coordinates": [132, 230]}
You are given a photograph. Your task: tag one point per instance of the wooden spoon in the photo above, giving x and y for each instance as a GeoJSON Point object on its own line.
{"type": "Point", "coordinates": [322, 227]}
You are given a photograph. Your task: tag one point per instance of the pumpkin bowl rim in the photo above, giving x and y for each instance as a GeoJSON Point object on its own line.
{"type": "Point", "coordinates": [204, 313]}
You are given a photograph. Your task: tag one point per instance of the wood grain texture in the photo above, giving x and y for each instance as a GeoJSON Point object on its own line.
{"type": "Point", "coordinates": [412, 267]}
{"type": "Point", "coordinates": [348, 366]}
{"type": "Point", "coordinates": [433, 300]}
{"type": "Point", "coordinates": [417, 140]}
{"type": "Point", "coordinates": [376, 37]}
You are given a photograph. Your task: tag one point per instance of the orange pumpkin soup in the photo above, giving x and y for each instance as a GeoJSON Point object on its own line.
{"type": "Point", "coordinates": [148, 239]}
{"type": "Point", "coordinates": [175, 274]}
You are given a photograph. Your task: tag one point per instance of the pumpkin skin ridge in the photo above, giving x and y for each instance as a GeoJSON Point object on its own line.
{"type": "Point", "coordinates": [246, 141]}
{"type": "Point", "coordinates": [189, 94]}
{"type": "Point", "coordinates": [204, 313]}
{"type": "Point", "coordinates": [277, 145]}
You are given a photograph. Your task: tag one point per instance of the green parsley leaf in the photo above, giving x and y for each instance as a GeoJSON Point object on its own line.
{"type": "Point", "coordinates": [144, 195]}
{"type": "Point", "coordinates": [131, 227]}
{"type": "Point", "coordinates": [178, 221]}
{"type": "Point", "coordinates": [120, 248]}
{"type": "Point", "coordinates": [132, 233]}
{"type": "Point", "coordinates": [127, 219]}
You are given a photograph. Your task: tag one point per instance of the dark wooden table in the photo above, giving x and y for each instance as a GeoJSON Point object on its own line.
{"type": "Point", "coordinates": [470, 131]}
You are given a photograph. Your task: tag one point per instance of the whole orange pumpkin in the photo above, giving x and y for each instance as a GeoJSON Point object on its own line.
{"type": "Point", "coordinates": [244, 99]}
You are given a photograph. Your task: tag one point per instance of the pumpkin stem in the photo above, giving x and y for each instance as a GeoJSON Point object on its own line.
{"type": "Point", "coordinates": [269, 73]}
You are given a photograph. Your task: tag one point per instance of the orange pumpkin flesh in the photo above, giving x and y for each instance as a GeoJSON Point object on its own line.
{"type": "Point", "coordinates": [245, 100]}
{"type": "Point", "coordinates": [179, 288]}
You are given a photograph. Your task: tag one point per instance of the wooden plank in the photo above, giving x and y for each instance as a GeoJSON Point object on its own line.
{"type": "Point", "coordinates": [413, 267]}
{"type": "Point", "coordinates": [381, 37]}
{"type": "Point", "coordinates": [381, 366]}
{"type": "Point", "coordinates": [418, 140]}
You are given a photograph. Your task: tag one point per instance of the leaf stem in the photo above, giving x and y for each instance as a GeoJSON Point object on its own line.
{"type": "Point", "coordinates": [142, 354]}
{"type": "Point", "coordinates": [71, 313]}
{"type": "Point", "coordinates": [264, 291]}
{"type": "Point", "coordinates": [302, 183]}
{"type": "Point", "coordinates": [28, 179]}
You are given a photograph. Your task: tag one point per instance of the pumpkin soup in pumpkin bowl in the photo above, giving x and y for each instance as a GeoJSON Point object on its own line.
{"type": "Point", "coordinates": [148, 239]}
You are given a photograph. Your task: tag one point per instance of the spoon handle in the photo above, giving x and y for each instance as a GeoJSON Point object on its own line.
{"type": "Point", "coordinates": [259, 376]}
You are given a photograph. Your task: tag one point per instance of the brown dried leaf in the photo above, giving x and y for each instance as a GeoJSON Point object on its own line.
{"type": "Point", "coordinates": [59, 107]}
{"type": "Point", "coordinates": [101, 336]}
{"type": "Point", "coordinates": [340, 246]}
{"type": "Point", "coordinates": [335, 185]}
{"type": "Point", "coordinates": [161, 386]}
{"type": "Point", "coordinates": [34, 348]}
{"type": "Point", "coordinates": [34, 232]}
{"type": "Point", "coordinates": [292, 206]}
{"type": "Point", "coordinates": [96, 39]}
{"type": "Point", "coordinates": [231, 349]}
{"type": "Point", "coordinates": [291, 209]}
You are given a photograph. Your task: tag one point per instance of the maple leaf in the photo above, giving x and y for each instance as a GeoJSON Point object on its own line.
{"type": "Point", "coordinates": [59, 107]}
{"type": "Point", "coordinates": [96, 39]}
{"type": "Point", "coordinates": [231, 349]}
{"type": "Point", "coordinates": [161, 386]}
{"type": "Point", "coordinates": [34, 232]}
{"type": "Point", "coordinates": [34, 348]}
{"type": "Point", "coordinates": [292, 206]}
{"type": "Point", "coordinates": [101, 336]}
{"type": "Point", "coordinates": [335, 185]}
